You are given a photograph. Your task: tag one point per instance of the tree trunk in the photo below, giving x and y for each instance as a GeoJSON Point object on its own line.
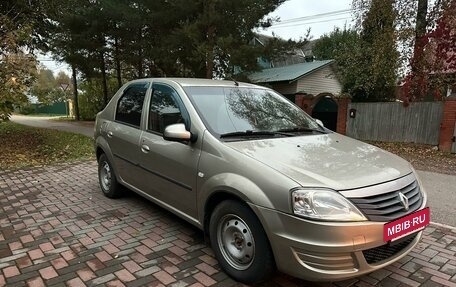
{"type": "Point", "coordinates": [418, 91]}
{"type": "Point", "coordinates": [209, 9]}
{"type": "Point", "coordinates": [140, 66]}
{"type": "Point", "coordinates": [210, 52]}
{"type": "Point", "coordinates": [75, 93]}
{"type": "Point", "coordinates": [104, 79]}
{"type": "Point", "coordinates": [420, 31]}
{"type": "Point", "coordinates": [209, 64]}
{"type": "Point", "coordinates": [117, 61]}
{"type": "Point", "coordinates": [421, 21]}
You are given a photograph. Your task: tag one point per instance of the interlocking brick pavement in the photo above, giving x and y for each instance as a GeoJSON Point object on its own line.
{"type": "Point", "coordinates": [57, 229]}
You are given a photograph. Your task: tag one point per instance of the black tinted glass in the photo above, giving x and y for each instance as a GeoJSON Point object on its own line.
{"type": "Point", "coordinates": [130, 104]}
{"type": "Point", "coordinates": [164, 108]}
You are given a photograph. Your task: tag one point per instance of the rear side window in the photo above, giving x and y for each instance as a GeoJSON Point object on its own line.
{"type": "Point", "coordinates": [130, 104]}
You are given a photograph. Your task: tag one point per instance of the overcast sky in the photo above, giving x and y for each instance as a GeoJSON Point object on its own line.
{"type": "Point", "coordinates": [291, 9]}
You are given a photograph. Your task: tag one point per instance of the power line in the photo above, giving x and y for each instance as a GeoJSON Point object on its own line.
{"type": "Point", "coordinates": [315, 22]}
{"type": "Point", "coordinates": [315, 16]}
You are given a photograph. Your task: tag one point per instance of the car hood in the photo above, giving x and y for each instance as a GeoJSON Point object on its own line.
{"type": "Point", "coordinates": [328, 160]}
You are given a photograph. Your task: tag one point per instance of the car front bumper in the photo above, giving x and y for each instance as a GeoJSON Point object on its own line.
{"type": "Point", "coordinates": [330, 251]}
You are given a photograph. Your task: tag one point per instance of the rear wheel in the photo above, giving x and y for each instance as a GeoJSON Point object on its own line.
{"type": "Point", "coordinates": [240, 243]}
{"type": "Point", "coordinates": [107, 178]}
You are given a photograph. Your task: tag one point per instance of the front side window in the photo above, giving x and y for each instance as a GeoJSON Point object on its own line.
{"type": "Point", "coordinates": [130, 104]}
{"type": "Point", "coordinates": [229, 110]}
{"type": "Point", "coordinates": [166, 108]}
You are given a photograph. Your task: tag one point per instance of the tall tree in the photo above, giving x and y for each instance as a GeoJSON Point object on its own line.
{"type": "Point", "coordinates": [68, 39]}
{"type": "Point", "coordinates": [218, 36]}
{"type": "Point", "coordinates": [378, 58]}
{"type": "Point", "coordinates": [416, 79]}
{"type": "Point", "coordinates": [433, 65]}
{"type": "Point", "coordinates": [18, 19]}
{"type": "Point", "coordinates": [341, 45]}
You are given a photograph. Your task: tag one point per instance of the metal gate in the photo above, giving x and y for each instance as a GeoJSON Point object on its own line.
{"type": "Point", "coordinates": [453, 147]}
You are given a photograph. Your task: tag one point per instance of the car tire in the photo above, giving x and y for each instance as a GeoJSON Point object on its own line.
{"type": "Point", "coordinates": [240, 243]}
{"type": "Point", "coordinates": [107, 178]}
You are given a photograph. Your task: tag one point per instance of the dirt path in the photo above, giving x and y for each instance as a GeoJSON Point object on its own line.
{"type": "Point", "coordinates": [83, 127]}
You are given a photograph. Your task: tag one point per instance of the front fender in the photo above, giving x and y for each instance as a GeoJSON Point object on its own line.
{"type": "Point", "coordinates": [233, 184]}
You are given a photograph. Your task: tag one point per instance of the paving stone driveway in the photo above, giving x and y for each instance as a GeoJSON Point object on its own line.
{"type": "Point", "coordinates": [57, 229]}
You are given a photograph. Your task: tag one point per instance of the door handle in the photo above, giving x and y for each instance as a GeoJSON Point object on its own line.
{"type": "Point", "coordinates": [145, 148]}
{"type": "Point", "coordinates": [110, 134]}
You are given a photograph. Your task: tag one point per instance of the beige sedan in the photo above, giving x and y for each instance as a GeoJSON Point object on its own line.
{"type": "Point", "coordinates": [269, 185]}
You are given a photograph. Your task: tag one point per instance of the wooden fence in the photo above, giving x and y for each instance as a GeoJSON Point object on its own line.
{"type": "Point", "coordinates": [392, 122]}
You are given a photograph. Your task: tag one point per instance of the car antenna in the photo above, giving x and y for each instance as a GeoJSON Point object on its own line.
{"type": "Point", "coordinates": [235, 82]}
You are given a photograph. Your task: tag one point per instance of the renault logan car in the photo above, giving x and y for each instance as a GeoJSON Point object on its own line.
{"type": "Point", "coordinates": [269, 185]}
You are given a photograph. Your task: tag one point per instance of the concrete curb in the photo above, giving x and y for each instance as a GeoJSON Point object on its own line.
{"type": "Point", "coordinates": [445, 226]}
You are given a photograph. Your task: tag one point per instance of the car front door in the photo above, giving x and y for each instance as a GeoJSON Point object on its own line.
{"type": "Point", "coordinates": [123, 134]}
{"type": "Point", "coordinates": [171, 166]}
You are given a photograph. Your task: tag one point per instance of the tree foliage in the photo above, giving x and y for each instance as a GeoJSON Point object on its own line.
{"type": "Point", "coordinates": [433, 66]}
{"type": "Point", "coordinates": [17, 66]}
{"type": "Point", "coordinates": [125, 39]}
{"type": "Point", "coordinates": [49, 89]}
{"type": "Point", "coordinates": [135, 39]}
{"type": "Point", "coordinates": [342, 45]}
{"type": "Point", "coordinates": [377, 59]}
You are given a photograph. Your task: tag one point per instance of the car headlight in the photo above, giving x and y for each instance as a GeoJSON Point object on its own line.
{"type": "Point", "coordinates": [322, 204]}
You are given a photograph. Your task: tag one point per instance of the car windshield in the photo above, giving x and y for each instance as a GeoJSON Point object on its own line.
{"type": "Point", "coordinates": [233, 111]}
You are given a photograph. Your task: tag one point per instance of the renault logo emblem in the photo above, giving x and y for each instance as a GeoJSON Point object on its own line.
{"type": "Point", "coordinates": [404, 200]}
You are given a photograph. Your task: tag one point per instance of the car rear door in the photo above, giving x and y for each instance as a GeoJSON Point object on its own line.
{"type": "Point", "coordinates": [171, 166]}
{"type": "Point", "coordinates": [123, 134]}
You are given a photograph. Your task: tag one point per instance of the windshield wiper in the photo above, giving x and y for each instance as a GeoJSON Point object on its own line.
{"type": "Point", "coordinates": [300, 130]}
{"type": "Point", "coordinates": [249, 133]}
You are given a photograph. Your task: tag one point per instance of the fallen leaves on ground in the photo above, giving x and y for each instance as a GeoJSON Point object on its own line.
{"type": "Point", "coordinates": [22, 146]}
{"type": "Point", "coordinates": [422, 157]}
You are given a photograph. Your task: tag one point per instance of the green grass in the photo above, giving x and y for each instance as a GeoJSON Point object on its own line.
{"type": "Point", "coordinates": [23, 146]}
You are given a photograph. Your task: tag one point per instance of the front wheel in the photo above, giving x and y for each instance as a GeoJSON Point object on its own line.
{"type": "Point", "coordinates": [240, 243]}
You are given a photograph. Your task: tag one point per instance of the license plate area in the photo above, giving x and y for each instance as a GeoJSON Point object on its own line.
{"type": "Point", "coordinates": [406, 225]}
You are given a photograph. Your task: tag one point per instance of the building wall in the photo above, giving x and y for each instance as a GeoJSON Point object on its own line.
{"type": "Point", "coordinates": [321, 81]}
{"type": "Point", "coordinates": [447, 140]}
{"type": "Point", "coordinates": [285, 88]}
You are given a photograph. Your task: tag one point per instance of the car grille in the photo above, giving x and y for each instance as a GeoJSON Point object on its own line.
{"type": "Point", "coordinates": [388, 206]}
{"type": "Point", "coordinates": [383, 252]}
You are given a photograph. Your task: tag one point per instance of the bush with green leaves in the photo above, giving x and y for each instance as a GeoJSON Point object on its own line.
{"type": "Point", "coordinates": [91, 97]}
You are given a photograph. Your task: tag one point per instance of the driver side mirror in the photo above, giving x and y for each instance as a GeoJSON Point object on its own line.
{"type": "Point", "coordinates": [177, 133]}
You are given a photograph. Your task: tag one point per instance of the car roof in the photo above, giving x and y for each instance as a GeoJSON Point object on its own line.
{"type": "Point", "coordinates": [193, 82]}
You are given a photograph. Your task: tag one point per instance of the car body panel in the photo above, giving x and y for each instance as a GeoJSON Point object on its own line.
{"type": "Point", "coordinates": [333, 249]}
{"type": "Point", "coordinates": [174, 182]}
{"type": "Point", "coordinates": [238, 174]}
{"type": "Point", "coordinates": [326, 160]}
